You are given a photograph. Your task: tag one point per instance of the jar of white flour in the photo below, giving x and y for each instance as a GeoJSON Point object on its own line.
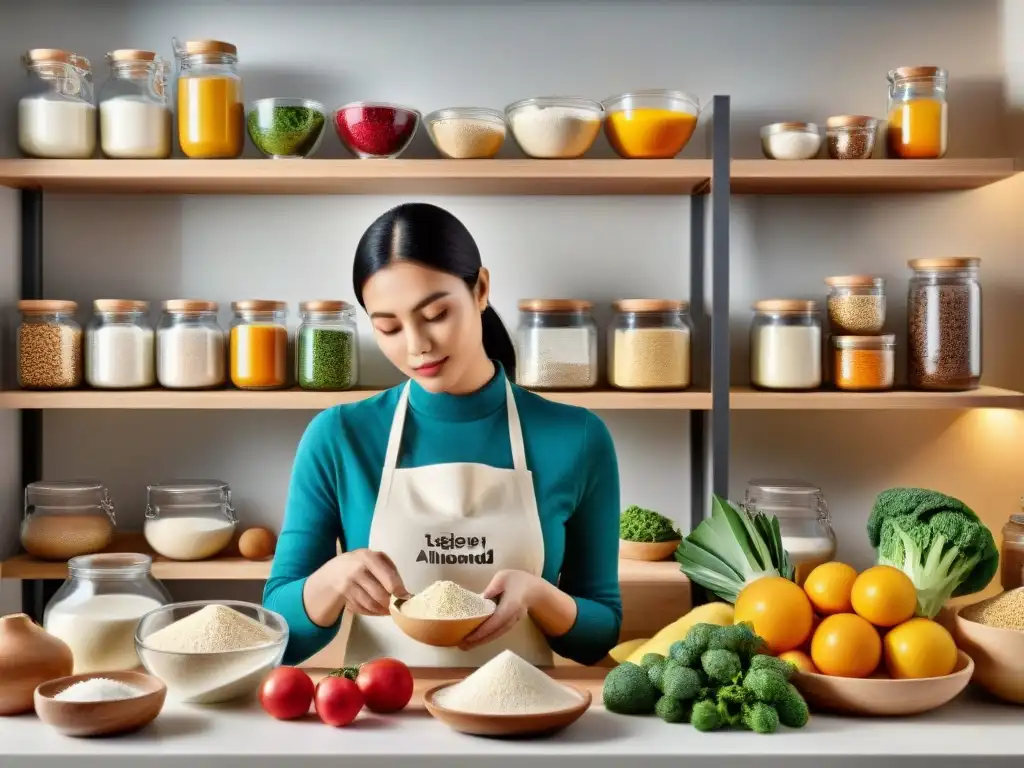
{"type": "Point", "coordinates": [56, 115]}
{"type": "Point", "coordinates": [189, 519]}
{"type": "Point", "coordinates": [556, 344]}
{"type": "Point", "coordinates": [191, 350]}
{"type": "Point", "coordinates": [135, 119]}
{"type": "Point", "coordinates": [785, 345]}
{"type": "Point", "coordinates": [119, 345]}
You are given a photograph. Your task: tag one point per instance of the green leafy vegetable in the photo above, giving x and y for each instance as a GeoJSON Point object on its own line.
{"type": "Point", "coordinates": [646, 525]}
{"type": "Point", "coordinates": [628, 691]}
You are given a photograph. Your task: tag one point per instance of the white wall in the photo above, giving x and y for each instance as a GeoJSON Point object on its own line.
{"type": "Point", "coordinates": [777, 60]}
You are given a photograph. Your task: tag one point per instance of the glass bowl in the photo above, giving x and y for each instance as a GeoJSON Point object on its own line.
{"type": "Point", "coordinates": [286, 128]}
{"type": "Point", "coordinates": [375, 129]}
{"type": "Point", "coordinates": [555, 127]}
{"type": "Point", "coordinates": [851, 137]}
{"type": "Point", "coordinates": [462, 133]}
{"type": "Point", "coordinates": [790, 141]}
{"type": "Point", "coordinates": [652, 124]}
{"type": "Point", "coordinates": [210, 678]}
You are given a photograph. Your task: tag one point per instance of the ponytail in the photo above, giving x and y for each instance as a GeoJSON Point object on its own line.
{"type": "Point", "coordinates": [497, 342]}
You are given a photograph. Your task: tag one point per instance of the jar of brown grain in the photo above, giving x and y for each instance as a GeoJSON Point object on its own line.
{"type": "Point", "coordinates": [649, 345]}
{"type": "Point", "coordinates": [66, 518]}
{"type": "Point", "coordinates": [49, 345]}
{"type": "Point", "coordinates": [1011, 558]}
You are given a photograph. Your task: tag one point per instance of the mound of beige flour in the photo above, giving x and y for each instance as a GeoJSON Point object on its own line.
{"type": "Point", "coordinates": [507, 685]}
{"type": "Point", "coordinates": [447, 600]}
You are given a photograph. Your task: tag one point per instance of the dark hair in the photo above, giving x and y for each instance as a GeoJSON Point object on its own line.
{"type": "Point", "coordinates": [428, 235]}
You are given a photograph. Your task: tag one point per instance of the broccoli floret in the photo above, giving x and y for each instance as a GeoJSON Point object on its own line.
{"type": "Point", "coordinates": [682, 652]}
{"type": "Point", "coordinates": [721, 666]}
{"type": "Point", "coordinates": [646, 525]}
{"type": "Point", "coordinates": [628, 691]}
{"type": "Point", "coordinates": [731, 699]}
{"type": "Point", "coordinates": [672, 710]}
{"type": "Point", "coordinates": [705, 717]}
{"type": "Point", "coordinates": [699, 637]}
{"type": "Point", "coordinates": [760, 717]}
{"type": "Point", "coordinates": [766, 685]}
{"type": "Point", "coordinates": [650, 659]}
{"type": "Point", "coordinates": [655, 672]}
{"type": "Point", "coordinates": [792, 708]}
{"type": "Point", "coordinates": [680, 682]}
{"type": "Point", "coordinates": [772, 664]}
{"type": "Point", "coordinates": [938, 541]}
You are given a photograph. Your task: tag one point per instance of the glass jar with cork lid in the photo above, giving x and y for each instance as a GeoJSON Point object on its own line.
{"type": "Point", "coordinates": [556, 344]}
{"type": "Point", "coordinates": [856, 304]}
{"type": "Point", "coordinates": [259, 344]}
{"type": "Point", "coordinates": [66, 518]}
{"type": "Point", "coordinates": [49, 345]}
{"type": "Point", "coordinates": [56, 114]}
{"type": "Point", "coordinates": [326, 346]}
{"type": "Point", "coordinates": [918, 115]}
{"type": "Point", "coordinates": [785, 345]}
{"type": "Point", "coordinates": [649, 345]}
{"type": "Point", "coordinates": [211, 115]}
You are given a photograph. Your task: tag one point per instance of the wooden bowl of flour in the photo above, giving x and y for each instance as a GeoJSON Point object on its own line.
{"type": "Point", "coordinates": [507, 726]}
{"type": "Point", "coordinates": [440, 633]}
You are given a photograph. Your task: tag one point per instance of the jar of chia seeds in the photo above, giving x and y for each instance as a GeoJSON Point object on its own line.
{"type": "Point", "coordinates": [327, 346]}
{"type": "Point", "coordinates": [49, 345]}
{"type": "Point", "coordinates": [556, 344]}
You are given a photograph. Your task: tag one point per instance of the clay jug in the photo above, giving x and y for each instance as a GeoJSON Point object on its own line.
{"type": "Point", "coordinates": [28, 656]}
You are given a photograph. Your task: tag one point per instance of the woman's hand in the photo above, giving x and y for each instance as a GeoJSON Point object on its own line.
{"type": "Point", "coordinates": [361, 581]}
{"type": "Point", "coordinates": [514, 592]}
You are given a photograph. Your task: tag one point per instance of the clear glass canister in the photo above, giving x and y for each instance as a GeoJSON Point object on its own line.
{"type": "Point", "coordinates": [66, 518]}
{"type": "Point", "coordinates": [800, 507]}
{"type": "Point", "coordinates": [556, 344]}
{"type": "Point", "coordinates": [259, 344]}
{"type": "Point", "coordinates": [1011, 557]}
{"type": "Point", "coordinates": [49, 345]}
{"type": "Point", "coordinates": [135, 118]}
{"type": "Point", "coordinates": [944, 324]}
{"type": "Point", "coordinates": [191, 350]}
{"type": "Point", "coordinates": [327, 346]}
{"type": "Point", "coordinates": [918, 114]}
{"type": "Point", "coordinates": [98, 608]}
{"type": "Point", "coordinates": [785, 345]}
{"type": "Point", "coordinates": [856, 304]}
{"type": "Point", "coordinates": [211, 114]}
{"type": "Point", "coordinates": [56, 114]}
{"type": "Point", "coordinates": [119, 345]}
{"type": "Point", "coordinates": [649, 345]}
{"type": "Point", "coordinates": [864, 363]}
{"type": "Point", "coordinates": [189, 519]}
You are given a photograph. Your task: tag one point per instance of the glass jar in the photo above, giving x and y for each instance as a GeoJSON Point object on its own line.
{"type": "Point", "coordinates": [189, 519]}
{"type": "Point", "coordinates": [556, 344]}
{"type": "Point", "coordinates": [803, 517]}
{"type": "Point", "coordinates": [649, 345]}
{"type": "Point", "coordinates": [119, 345]}
{"type": "Point", "coordinates": [49, 345]}
{"type": "Point", "coordinates": [864, 363]}
{"type": "Point", "coordinates": [56, 115]}
{"type": "Point", "coordinates": [944, 324]}
{"type": "Point", "coordinates": [1011, 556]}
{"type": "Point", "coordinates": [259, 345]}
{"type": "Point", "coordinates": [135, 118]}
{"type": "Point", "coordinates": [856, 304]}
{"type": "Point", "coordinates": [190, 346]}
{"type": "Point", "coordinates": [327, 346]}
{"type": "Point", "coordinates": [98, 608]}
{"type": "Point", "coordinates": [211, 115]}
{"type": "Point", "coordinates": [66, 518]}
{"type": "Point", "coordinates": [785, 345]}
{"type": "Point", "coordinates": [918, 115]}
{"type": "Point", "coordinates": [851, 137]}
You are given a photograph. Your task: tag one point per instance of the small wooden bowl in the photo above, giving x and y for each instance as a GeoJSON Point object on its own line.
{"type": "Point", "coordinates": [998, 657]}
{"type": "Point", "coordinates": [883, 697]}
{"type": "Point", "coordinates": [506, 726]}
{"type": "Point", "coordinates": [100, 718]}
{"type": "Point", "coordinates": [440, 633]}
{"type": "Point", "coordinates": [647, 550]}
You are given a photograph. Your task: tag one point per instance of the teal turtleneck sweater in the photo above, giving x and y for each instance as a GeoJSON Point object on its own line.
{"type": "Point", "coordinates": [569, 450]}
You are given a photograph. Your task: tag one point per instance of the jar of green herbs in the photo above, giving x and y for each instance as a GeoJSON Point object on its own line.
{"type": "Point", "coordinates": [326, 346]}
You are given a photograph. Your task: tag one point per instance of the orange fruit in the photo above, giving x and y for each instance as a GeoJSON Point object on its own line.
{"type": "Point", "coordinates": [800, 660]}
{"type": "Point", "coordinates": [919, 648]}
{"type": "Point", "coordinates": [779, 611]}
{"type": "Point", "coordinates": [846, 645]}
{"type": "Point", "coordinates": [829, 586]}
{"type": "Point", "coordinates": [884, 595]}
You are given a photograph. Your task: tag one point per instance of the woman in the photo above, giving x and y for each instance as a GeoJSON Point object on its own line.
{"type": "Point", "coordinates": [456, 475]}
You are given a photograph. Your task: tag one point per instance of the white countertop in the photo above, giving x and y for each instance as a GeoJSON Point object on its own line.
{"type": "Point", "coordinates": [966, 733]}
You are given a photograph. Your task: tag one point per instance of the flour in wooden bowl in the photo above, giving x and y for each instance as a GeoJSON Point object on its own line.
{"type": "Point", "coordinates": [447, 600]}
{"type": "Point", "coordinates": [507, 685]}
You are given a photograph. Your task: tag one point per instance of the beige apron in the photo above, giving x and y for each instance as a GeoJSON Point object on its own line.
{"type": "Point", "coordinates": [458, 522]}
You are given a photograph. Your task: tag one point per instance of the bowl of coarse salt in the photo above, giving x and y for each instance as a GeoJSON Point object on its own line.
{"type": "Point", "coordinates": [442, 615]}
{"type": "Point", "coordinates": [100, 704]}
{"type": "Point", "coordinates": [508, 697]}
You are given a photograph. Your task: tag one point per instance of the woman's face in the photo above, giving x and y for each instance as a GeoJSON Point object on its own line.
{"type": "Point", "coordinates": [427, 323]}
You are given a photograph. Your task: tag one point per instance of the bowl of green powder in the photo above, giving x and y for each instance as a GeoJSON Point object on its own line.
{"type": "Point", "coordinates": [286, 128]}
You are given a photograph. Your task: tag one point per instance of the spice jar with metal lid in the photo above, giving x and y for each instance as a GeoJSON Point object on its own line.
{"type": "Point", "coordinates": [135, 118]}
{"type": "Point", "coordinates": [1011, 557]}
{"type": "Point", "coordinates": [918, 114]}
{"type": "Point", "coordinates": [119, 345]}
{"type": "Point", "coordinates": [649, 345]}
{"type": "Point", "coordinates": [556, 344]}
{"type": "Point", "coordinates": [944, 324]}
{"type": "Point", "coordinates": [791, 141]}
{"type": "Point", "coordinates": [864, 363]}
{"type": "Point", "coordinates": [856, 304]}
{"type": "Point", "coordinates": [189, 519]}
{"type": "Point", "coordinates": [190, 346]}
{"type": "Point", "coordinates": [56, 114]}
{"type": "Point", "coordinates": [259, 344]}
{"type": "Point", "coordinates": [851, 137]}
{"type": "Point", "coordinates": [49, 345]}
{"type": "Point", "coordinates": [785, 345]}
{"type": "Point", "coordinates": [66, 518]}
{"type": "Point", "coordinates": [211, 114]}
{"type": "Point", "coordinates": [326, 346]}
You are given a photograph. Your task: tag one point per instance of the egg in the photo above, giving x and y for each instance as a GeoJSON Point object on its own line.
{"type": "Point", "coordinates": [257, 544]}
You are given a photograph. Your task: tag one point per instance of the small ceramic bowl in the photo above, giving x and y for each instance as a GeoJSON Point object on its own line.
{"type": "Point", "coordinates": [100, 718]}
{"type": "Point", "coordinates": [440, 633]}
{"type": "Point", "coordinates": [998, 657]}
{"type": "Point", "coordinates": [506, 725]}
{"type": "Point", "coordinates": [646, 550]}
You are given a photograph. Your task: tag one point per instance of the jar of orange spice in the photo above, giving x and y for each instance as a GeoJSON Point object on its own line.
{"type": "Point", "coordinates": [864, 363]}
{"type": "Point", "coordinates": [259, 345]}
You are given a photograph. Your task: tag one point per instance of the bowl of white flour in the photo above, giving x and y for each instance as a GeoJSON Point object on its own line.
{"type": "Point", "coordinates": [442, 615]}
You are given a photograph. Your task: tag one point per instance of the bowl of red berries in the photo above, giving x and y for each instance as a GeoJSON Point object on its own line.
{"type": "Point", "coordinates": [375, 129]}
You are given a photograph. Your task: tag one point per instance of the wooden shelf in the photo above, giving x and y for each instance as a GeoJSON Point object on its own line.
{"type": "Point", "coordinates": [745, 398]}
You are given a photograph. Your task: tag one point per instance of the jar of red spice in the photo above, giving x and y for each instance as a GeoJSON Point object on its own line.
{"type": "Point", "coordinates": [864, 363]}
{"type": "Point", "coordinates": [374, 129]}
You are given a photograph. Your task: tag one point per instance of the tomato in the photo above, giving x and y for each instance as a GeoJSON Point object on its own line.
{"type": "Point", "coordinates": [338, 700]}
{"type": "Point", "coordinates": [386, 684]}
{"type": "Point", "coordinates": [286, 693]}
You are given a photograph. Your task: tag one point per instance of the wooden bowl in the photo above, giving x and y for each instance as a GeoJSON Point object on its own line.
{"type": "Point", "coordinates": [100, 718]}
{"type": "Point", "coordinates": [506, 726]}
{"type": "Point", "coordinates": [440, 633]}
{"type": "Point", "coordinates": [998, 657]}
{"type": "Point", "coordinates": [882, 696]}
{"type": "Point", "coordinates": [646, 550]}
